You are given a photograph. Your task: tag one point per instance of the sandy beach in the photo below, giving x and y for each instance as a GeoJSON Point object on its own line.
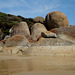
{"type": "Point", "coordinates": [36, 65]}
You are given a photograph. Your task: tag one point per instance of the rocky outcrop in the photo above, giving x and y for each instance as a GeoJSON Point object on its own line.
{"type": "Point", "coordinates": [48, 34]}
{"type": "Point", "coordinates": [39, 19]}
{"type": "Point", "coordinates": [22, 28]}
{"type": "Point", "coordinates": [56, 19]}
{"type": "Point", "coordinates": [66, 33]}
{"type": "Point", "coordinates": [59, 40]}
{"type": "Point", "coordinates": [52, 42]}
{"type": "Point", "coordinates": [36, 31]}
{"type": "Point", "coordinates": [17, 40]}
{"type": "Point", "coordinates": [50, 51]}
{"type": "Point", "coordinates": [41, 50]}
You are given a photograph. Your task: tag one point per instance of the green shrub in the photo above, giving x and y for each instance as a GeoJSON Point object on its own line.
{"type": "Point", "coordinates": [7, 21]}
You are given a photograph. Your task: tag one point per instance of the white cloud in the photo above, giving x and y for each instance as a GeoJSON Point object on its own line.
{"type": "Point", "coordinates": [13, 3]}
{"type": "Point", "coordinates": [25, 3]}
{"type": "Point", "coordinates": [28, 7]}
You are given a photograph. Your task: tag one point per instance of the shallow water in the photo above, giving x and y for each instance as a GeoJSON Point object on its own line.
{"type": "Point", "coordinates": [37, 65]}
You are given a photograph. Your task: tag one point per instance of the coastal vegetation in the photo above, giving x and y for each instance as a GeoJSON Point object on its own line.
{"type": "Point", "coordinates": [7, 21]}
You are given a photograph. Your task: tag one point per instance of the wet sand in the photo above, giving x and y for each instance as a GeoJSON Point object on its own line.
{"type": "Point", "coordinates": [36, 65]}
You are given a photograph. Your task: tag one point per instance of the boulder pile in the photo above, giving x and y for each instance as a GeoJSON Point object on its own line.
{"type": "Point", "coordinates": [57, 24]}
{"type": "Point", "coordinates": [54, 30]}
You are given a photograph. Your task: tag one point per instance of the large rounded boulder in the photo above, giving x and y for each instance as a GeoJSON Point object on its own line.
{"type": "Point", "coordinates": [36, 31]}
{"type": "Point", "coordinates": [56, 19]}
{"type": "Point", "coordinates": [17, 40]}
{"type": "Point", "coordinates": [39, 19]}
{"type": "Point", "coordinates": [21, 28]}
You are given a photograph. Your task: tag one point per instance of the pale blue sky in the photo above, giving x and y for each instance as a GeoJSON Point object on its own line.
{"type": "Point", "coordinates": [34, 8]}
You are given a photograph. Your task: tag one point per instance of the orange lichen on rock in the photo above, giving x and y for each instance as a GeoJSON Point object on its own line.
{"type": "Point", "coordinates": [53, 30]}
{"type": "Point", "coordinates": [31, 41]}
{"type": "Point", "coordinates": [17, 40]}
{"type": "Point", "coordinates": [56, 19]}
{"type": "Point", "coordinates": [36, 31]}
{"type": "Point", "coordinates": [48, 34]}
{"type": "Point", "coordinates": [39, 38]}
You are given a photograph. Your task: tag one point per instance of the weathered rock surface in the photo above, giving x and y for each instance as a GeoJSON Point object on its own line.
{"type": "Point", "coordinates": [36, 31]}
{"type": "Point", "coordinates": [52, 42]}
{"type": "Point", "coordinates": [22, 28]}
{"type": "Point", "coordinates": [17, 40]}
{"type": "Point", "coordinates": [66, 33]}
{"type": "Point", "coordinates": [1, 46]}
{"type": "Point", "coordinates": [1, 43]}
{"type": "Point", "coordinates": [48, 34]}
{"type": "Point", "coordinates": [42, 50]}
{"type": "Point", "coordinates": [14, 50]}
{"type": "Point", "coordinates": [56, 19]}
{"type": "Point", "coordinates": [50, 51]}
{"type": "Point", "coordinates": [39, 19]}
{"type": "Point", "coordinates": [7, 37]}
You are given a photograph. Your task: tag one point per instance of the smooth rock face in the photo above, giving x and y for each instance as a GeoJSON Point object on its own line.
{"type": "Point", "coordinates": [52, 42]}
{"type": "Point", "coordinates": [22, 28]}
{"type": "Point", "coordinates": [36, 31]}
{"type": "Point", "coordinates": [66, 33]}
{"type": "Point", "coordinates": [48, 34]}
{"type": "Point", "coordinates": [17, 40]}
{"type": "Point", "coordinates": [56, 19]}
{"type": "Point", "coordinates": [39, 19]}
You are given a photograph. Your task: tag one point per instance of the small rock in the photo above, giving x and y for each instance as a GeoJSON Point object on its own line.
{"type": "Point", "coordinates": [48, 34]}
{"type": "Point", "coordinates": [39, 19]}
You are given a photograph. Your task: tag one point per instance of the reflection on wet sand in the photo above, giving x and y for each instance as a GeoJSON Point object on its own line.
{"type": "Point", "coordinates": [30, 64]}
